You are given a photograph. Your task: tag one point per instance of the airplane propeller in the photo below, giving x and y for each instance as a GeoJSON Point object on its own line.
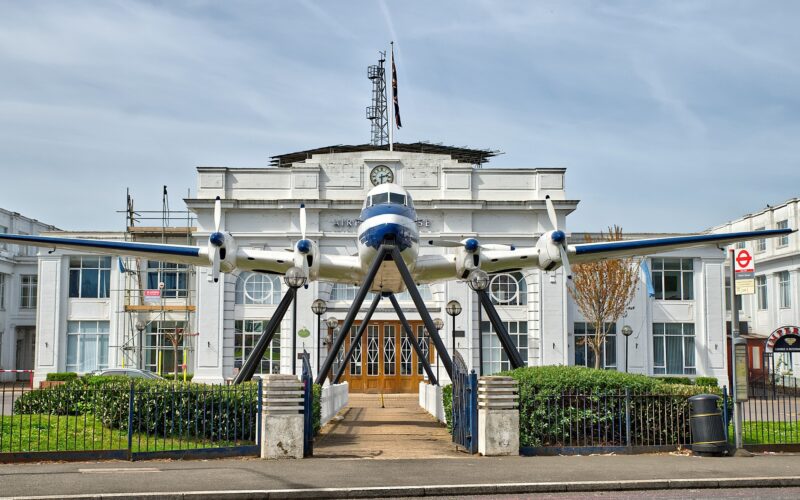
{"type": "Point", "coordinates": [216, 240]}
{"type": "Point", "coordinates": [303, 245]}
{"type": "Point", "coordinates": [558, 237]}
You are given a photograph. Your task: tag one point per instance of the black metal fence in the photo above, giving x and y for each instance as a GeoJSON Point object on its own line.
{"type": "Point", "coordinates": [465, 406]}
{"type": "Point", "coordinates": [620, 421]}
{"type": "Point", "coordinates": [771, 415]}
{"type": "Point", "coordinates": [129, 421]}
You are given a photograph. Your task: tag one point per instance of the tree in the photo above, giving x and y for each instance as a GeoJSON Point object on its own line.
{"type": "Point", "coordinates": [602, 290]}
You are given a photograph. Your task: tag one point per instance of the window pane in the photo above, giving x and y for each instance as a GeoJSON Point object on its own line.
{"type": "Point", "coordinates": [397, 198]}
{"type": "Point", "coordinates": [380, 198]}
{"type": "Point", "coordinates": [74, 283]}
{"type": "Point", "coordinates": [89, 283]}
{"type": "Point", "coordinates": [674, 355]}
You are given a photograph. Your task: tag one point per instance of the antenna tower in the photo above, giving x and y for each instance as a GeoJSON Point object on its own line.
{"type": "Point", "coordinates": [378, 113]}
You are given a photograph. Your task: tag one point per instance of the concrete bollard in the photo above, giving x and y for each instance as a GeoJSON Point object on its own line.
{"type": "Point", "coordinates": [282, 417]}
{"type": "Point", "coordinates": [498, 416]}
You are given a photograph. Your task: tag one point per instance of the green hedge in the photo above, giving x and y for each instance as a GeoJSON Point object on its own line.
{"type": "Point", "coordinates": [161, 408]}
{"type": "Point", "coordinates": [564, 405]}
{"type": "Point", "coordinates": [61, 376]}
{"type": "Point", "coordinates": [447, 404]}
{"type": "Point", "coordinates": [707, 381]}
{"type": "Point", "coordinates": [316, 406]}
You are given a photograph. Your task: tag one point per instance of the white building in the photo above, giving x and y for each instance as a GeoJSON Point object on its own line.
{"type": "Point", "coordinates": [776, 302]}
{"type": "Point", "coordinates": [454, 198]}
{"type": "Point", "coordinates": [18, 285]}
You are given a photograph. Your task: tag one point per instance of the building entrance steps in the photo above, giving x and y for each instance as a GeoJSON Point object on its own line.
{"type": "Point", "coordinates": [401, 429]}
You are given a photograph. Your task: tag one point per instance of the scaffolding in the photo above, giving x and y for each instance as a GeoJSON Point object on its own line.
{"type": "Point", "coordinates": [157, 314]}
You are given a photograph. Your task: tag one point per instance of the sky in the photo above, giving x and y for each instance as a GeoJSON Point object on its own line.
{"type": "Point", "coordinates": [669, 116]}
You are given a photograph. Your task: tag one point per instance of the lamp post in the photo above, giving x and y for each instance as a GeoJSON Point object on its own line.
{"type": "Point", "coordinates": [140, 328]}
{"type": "Point", "coordinates": [332, 323]}
{"type": "Point", "coordinates": [478, 280]}
{"type": "Point", "coordinates": [453, 308]}
{"type": "Point", "coordinates": [627, 331]}
{"type": "Point", "coordinates": [439, 324]}
{"type": "Point", "coordinates": [319, 307]}
{"type": "Point", "coordinates": [294, 278]}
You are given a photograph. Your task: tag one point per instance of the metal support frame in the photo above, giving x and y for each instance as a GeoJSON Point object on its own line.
{"type": "Point", "coordinates": [357, 341]}
{"type": "Point", "coordinates": [252, 361]}
{"type": "Point", "coordinates": [500, 330]}
{"type": "Point", "coordinates": [351, 314]}
{"type": "Point", "coordinates": [417, 348]}
{"type": "Point", "coordinates": [441, 350]}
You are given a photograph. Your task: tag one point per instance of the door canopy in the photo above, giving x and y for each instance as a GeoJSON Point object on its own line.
{"type": "Point", "coordinates": [784, 339]}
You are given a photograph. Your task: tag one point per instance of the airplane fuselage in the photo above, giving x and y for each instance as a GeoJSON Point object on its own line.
{"type": "Point", "coordinates": [388, 216]}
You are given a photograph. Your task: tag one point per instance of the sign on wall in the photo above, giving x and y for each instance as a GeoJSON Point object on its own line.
{"type": "Point", "coordinates": [744, 272]}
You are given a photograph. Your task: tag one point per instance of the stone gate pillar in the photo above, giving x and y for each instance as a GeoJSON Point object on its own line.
{"type": "Point", "coordinates": [282, 417]}
{"type": "Point", "coordinates": [498, 416]}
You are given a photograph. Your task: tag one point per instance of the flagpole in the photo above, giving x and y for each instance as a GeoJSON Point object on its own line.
{"type": "Point", "coordinates": [390, 102]}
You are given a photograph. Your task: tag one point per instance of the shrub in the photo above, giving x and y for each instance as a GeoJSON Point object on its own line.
{"type": "Point", "coordinates": [447, 405]}
{"type": "Point", "coordinates": [707, 381]}
{"type": "Point", "coordinates": [675, 380]}
{"type": "Point", "coordinates": [160, 407]}
{"type": "Point", "coordinates": [61, 376]}
{"type": "Point", "coordinates": [316, 406]}
{"type": "Point", "coordinates": [177, 377]}
{"type": "Point", "coordinates": [579, 406]}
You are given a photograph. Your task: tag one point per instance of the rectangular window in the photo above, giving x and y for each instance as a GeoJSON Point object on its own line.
{"type": "Point", "coordinates": [245, 336]}
{"type": "Point", "coordinates": [761, 292]}
{"type": "Point", "coordinates": [584, 354]}
{"type": "Point", "coordinates": [494, 357]}
{"type": "Point", "coordinates": [424, 341]}
{"type": "Point", "coordinates": [673, 279]}
{"type": "Point", "coordinates": [373, 350]}
{"type": "Point", "coordinates": [673, 349]}
{"type": "Point", "coordinates": [785, 289]}
{"type": "Point", "coordinates": [389, 357]}
{"type": "Point", "coordinates": [783, 240]}
{"type": "Point", "coordinates": [2, 291]}
{"type": "Point", "coordinates": [161, 337]}
{"type": "Point", "coordinates": [27, 291]}
{"type": "Point", "coordinates": [87, 346]}
{"type": "Point", "coordinates": [761, 244]}
{"type": "Point", "coordinates": [173, 276]}
{"type": "Point", "coordinates": [741, 244]}
{"type": "Point", "coordinates": [89, 277]}
{"type": "Point", "coordinates": [355, 360]}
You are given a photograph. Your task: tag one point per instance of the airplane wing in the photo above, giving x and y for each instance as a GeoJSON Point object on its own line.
{"type": "Point", "coordinates": [587, 252]}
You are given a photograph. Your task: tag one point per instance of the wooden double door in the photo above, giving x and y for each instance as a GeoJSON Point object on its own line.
{"type": "Point", "coordinates": [385, 360]}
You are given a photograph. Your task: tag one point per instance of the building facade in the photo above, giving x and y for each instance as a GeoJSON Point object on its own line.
{"type": "Point", "coordinates": [212, 327]}
{"type": "Point", "coordinates": [18, 296]}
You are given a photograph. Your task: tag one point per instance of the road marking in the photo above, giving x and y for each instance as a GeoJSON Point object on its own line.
{"type": "Point", "coordinates": [106, 470]}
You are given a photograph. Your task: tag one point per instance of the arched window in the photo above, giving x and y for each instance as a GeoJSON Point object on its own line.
{"type": "Point", "coordinates": [508, 289]}
{"type": "Point", "coordinates": [258, 288]}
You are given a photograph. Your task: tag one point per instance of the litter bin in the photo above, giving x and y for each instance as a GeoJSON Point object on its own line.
{"type": "Point", "coordinates": [708, 431]}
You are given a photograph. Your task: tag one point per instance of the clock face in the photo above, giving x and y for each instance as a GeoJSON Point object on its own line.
{"type": "Point", "coordinates": [381, 175]}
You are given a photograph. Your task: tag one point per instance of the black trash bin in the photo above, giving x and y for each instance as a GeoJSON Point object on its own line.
{"type": "Point", "coordinates": [708, 430]}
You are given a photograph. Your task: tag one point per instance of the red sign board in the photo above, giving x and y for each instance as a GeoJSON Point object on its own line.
{"type": "Point", "coordinates": [744, 261]}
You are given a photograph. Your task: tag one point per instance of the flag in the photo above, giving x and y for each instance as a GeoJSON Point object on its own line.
{"type": "Point", "coordinates": [394, 93]}
{"type": "Point", "coordinates": [648, 278]}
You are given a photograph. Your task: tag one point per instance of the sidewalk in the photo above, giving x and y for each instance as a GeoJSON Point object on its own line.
{"type": "Point", "coordinates": [347, 478]}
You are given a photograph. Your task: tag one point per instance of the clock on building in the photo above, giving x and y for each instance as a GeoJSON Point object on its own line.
{"type": "Point", "coordinates": [381, 175]}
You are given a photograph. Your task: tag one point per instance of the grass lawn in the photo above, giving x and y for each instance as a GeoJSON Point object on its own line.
{"type": "Point", "coordinates": [22, 433]}
{"type": "Point", "coordinates": [768, 432]}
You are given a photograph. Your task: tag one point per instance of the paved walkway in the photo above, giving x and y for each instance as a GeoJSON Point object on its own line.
{"type": "Point", "coordinates": [399, 429]}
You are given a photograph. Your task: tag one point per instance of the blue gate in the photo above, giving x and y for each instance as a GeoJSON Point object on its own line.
{"type": "Point", "coordinates": [308, 412]}
{"type": "Point", "coordinates": [465, 405]}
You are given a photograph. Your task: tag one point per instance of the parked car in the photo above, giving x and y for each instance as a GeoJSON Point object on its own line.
{"type": "Point", "coordinates": [127, 372]}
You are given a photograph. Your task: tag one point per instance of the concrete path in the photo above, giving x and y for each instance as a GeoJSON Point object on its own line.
{"type": "Point", "coordinates": [399, 429]}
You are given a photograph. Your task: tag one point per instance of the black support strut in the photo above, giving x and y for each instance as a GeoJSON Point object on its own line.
{"type": "Point", "coordinates": [500, 330]}
{"type": "Point", "coordinates": [420, 355]}
{"type": "Point", "coordinates": [441, 350]}
{"type": "Point", "coordinates": [351, 314]}
{"type": "Point", "coordinates": [254, 359]}
{"type": "Point", "coordinates": [357, 341]}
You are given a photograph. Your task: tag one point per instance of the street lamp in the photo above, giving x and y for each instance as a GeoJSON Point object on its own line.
{"type": "Point", "coordinates": [453, 308]}
{"type": "Point", "coordinates": [439, 324]}
{"type": "Point", "coordinates": [332, 323]}
{"type": "Point", "coordinates": [140, 326]}
{"type": "Point", "coordinates": [319, 307]}
{"type": "Point", "coordinates": [478, 280]}
{"type": "Point", "coordinates": [294, 279]}
{"type": "Point", "coordinates": [627, 331]}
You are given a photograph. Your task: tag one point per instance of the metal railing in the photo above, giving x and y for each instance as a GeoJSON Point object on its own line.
{"type": "Point", "coordinates": [127, 420]}
{"type": "Point", "coordinates": [771, 415]}
{"type": "Point", "coordinates": [465, 406]}
{"type": "Point", "coordinates": [604, 419]}
{"type": "Point", "coordinates": [308, 400]}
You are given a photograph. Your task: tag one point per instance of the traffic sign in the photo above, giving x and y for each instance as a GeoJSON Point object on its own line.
{"type": "Point", "coordinates": [744, 272]}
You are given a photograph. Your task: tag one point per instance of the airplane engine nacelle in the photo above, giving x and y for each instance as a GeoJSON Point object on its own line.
{"type": "Point", "coordinates": [227, 254]}
{"type": "Point", "coordinates": [307, 257]}
{"type": "Point", "coordinates": [467, 261]}
{"type": "Point", "coordinates": [549, 253]}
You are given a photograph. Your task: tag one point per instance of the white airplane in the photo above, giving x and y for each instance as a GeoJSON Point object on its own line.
{"type": "Point", "coordinates": [388, 216]}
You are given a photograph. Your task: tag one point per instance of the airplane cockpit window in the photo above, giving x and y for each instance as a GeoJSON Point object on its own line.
{"type": "Point", "coordinates": [397, 198]}
{"type": "Point", "coordinates": [380, 198]}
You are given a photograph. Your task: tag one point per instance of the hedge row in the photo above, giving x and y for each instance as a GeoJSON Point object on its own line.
{"type": "Point", "coordinates": [61, 376]}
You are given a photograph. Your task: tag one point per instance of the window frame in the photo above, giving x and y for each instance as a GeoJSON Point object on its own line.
{"type": "Point", "coordinates": [586, 329]}
{"type": "Point", "coordinates": [494, 357]}
{"type": "Point", "coordinates": [784, 289]}
{"type": "Point", "coordinates": [762, 292]}
{"type": "Point", "coordinates": [102, 276]}
{"type": "Point", "coordinates": [248, 278]}
{"type": "Point", "coordinates": [246, 335]}
{"type": "Point", "coordinates": [101, 343]}
{"type": "Point", "coordinates": [660, 273]}
{"type": "Point", "coordinates": [168, 272]}
{"type": "Point", "coordinates": [761, 243]}
{"type": "Point", "coordinates": [661, 338]}
{"type": "Point", "coordinates": [783, 241]}
{"type": "Point", "coordinates": [28, 291]}
{"type": "Point", "coordinates": [497, 283]}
